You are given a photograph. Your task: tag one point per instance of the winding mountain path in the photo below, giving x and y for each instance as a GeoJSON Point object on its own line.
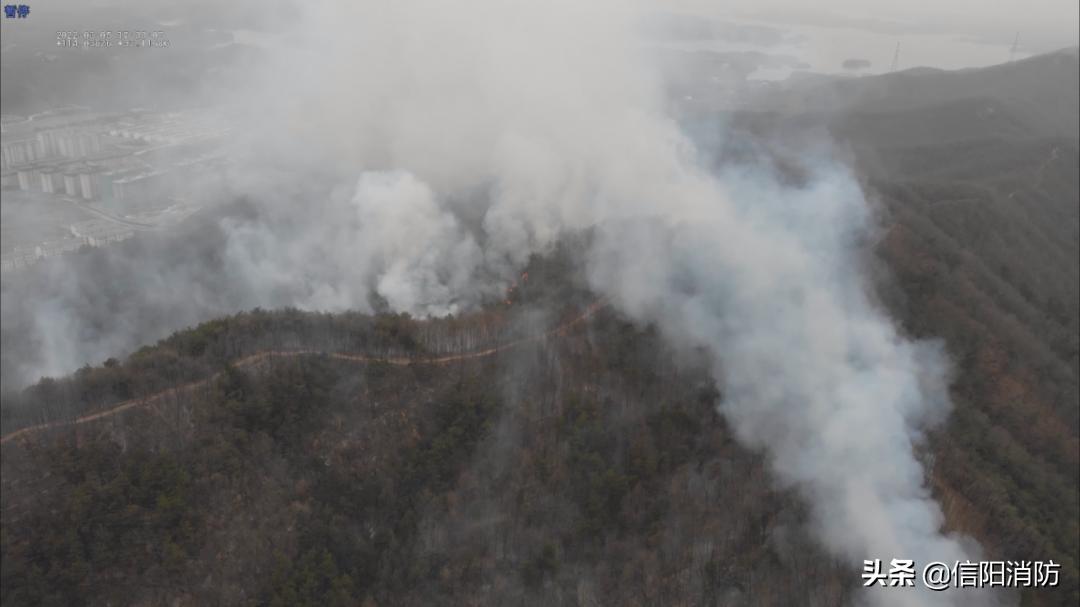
{"type": "Point", "coordinates": [258, 357]}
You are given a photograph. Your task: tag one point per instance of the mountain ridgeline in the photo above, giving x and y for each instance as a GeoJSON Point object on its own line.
{"type": "Point", "coordinates": [581, 466]}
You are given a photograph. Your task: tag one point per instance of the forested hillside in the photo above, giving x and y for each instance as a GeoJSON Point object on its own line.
{"type": "Point", "coordinates": [974, 176]}
{"type": "Point", "coordinates": [974, 179]}
{"type": "Point", "coordinates": [543, 450]}
{"type": "Point", "coordinates": [585, 467]}
{"type": "Point", "coordinates": [988, 261]}
{"type": "Point", "coordinates": [589, 467]}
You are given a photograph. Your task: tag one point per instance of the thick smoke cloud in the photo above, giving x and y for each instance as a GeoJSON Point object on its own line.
{"type": "Point", "coordinates": [407, 155]}
{"type": "Point", "coordinates": [547, 112]}
{"type": "Point", "coordinates": [391, 241]}
{"type": "Point", "coordinates": [811, 373]}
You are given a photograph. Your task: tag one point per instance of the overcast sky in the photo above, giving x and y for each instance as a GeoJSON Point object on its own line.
{"type": "Point", "coordinates": [1044, 25]}
{"type": "Point", "coordinates": [948, 34]}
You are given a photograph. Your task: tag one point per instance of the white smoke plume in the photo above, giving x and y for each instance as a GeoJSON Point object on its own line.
{"type": "Point", "coordinates": [515, 123]}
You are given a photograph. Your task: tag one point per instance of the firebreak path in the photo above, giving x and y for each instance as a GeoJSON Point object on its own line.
{"type": "Point", "coordinates": [258, 357]}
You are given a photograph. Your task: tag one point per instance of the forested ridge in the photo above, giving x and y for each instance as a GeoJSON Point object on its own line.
{"type": "Point", "coordinates": [575, 469]}
{"type": "Point", "coordinates": [591, 467]}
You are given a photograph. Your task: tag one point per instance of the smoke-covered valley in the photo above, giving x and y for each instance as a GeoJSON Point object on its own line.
{"type": "Point", "coordinates": [403, 158]}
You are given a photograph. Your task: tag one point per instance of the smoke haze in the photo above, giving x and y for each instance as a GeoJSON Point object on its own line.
{"type": "Point", "coordinates": [538, 122]}
{"type": "Point", "coordinates": [397, 156]}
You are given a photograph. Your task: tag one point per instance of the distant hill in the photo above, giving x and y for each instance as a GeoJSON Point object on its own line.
{"type": "Point", "coordinates": [1038, 93]}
